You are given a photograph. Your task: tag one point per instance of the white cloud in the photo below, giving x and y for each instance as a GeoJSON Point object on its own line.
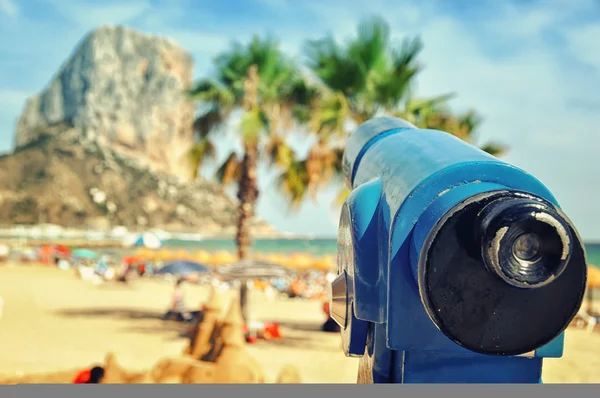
{"type": "Point", "coordinates": [9, 8]}
{"type": "Point", "coordinates": [530, 96]}
{"type": "Point", "coordinates": [524, 96]}
{"type": "Point", "coordinates": [583, 41]}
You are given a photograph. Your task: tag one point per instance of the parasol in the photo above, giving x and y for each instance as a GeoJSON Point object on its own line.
{"type": "Point", "coordinates": [182, 268]}
{"type": "Point", "coordinates": [147, 240]}
{"type": "Point", "coordinates": [252, 269]}
{"type": "Point", "coordinates": [84, 253]}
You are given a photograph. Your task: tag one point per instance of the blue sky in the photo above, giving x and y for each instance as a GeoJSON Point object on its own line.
{"type": "Point", "coordinates": [531, 68]}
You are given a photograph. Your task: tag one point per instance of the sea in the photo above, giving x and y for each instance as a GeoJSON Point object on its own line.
{"type": "Point", "coordinates": [314, 247]}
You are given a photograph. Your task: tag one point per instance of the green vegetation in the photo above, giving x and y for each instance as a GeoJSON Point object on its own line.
{"type": "Point", "coordinates": [353, 81]}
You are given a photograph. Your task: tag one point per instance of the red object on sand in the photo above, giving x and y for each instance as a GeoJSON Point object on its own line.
{"type": "Point", "coordinates": [129, 260]}
{"type": "Point", "coordinates": [82, 377]}
{"type": "Point", "coordinates": [272, 331]}
{"type": "Point", "coordinates": [46, 254]}
{"type": "Point", "coordinates": [250, 338]}
{"type": "Point", "coordinates": [64, 250]}
{"type": "Point", "coordinates": [326, 308]}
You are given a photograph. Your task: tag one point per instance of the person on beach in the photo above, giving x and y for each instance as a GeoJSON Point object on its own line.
{"type": "Point", "coordinates": [102, 267]}
{"type": "Point", "coordinates": [178, 308]}
{"type": "Point", "coordinates": [297, 288]}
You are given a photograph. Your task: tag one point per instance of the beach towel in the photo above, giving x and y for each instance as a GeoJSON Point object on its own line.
{"type": "Point", "coordinates": [83, 377]}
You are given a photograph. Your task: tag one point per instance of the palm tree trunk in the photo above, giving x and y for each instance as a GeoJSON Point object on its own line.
{"type": "Point", "coordinates": [247, 195]}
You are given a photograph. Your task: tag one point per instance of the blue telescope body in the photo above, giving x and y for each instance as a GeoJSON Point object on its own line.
{"type": "Point", "coordinates": [453, 266]}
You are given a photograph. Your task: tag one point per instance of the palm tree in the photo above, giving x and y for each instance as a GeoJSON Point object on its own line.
{"type": "Point", "coordinates": [367, 76]}
{"type": "Point", "coordinates": [257, 80]}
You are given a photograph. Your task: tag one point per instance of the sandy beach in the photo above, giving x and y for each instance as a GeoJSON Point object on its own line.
{"type": "Point", "coordinates": [54, 322]}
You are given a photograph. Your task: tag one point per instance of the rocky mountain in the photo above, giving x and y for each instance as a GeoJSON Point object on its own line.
{"type": "Point", "coordinates": [75, 182]}
{"type": "Point", "coordinates": [104, 144]}
{"type": "Point", "coordinates": [124, 89]}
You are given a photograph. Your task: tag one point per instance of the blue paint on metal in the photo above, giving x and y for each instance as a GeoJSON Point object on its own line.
{"type": "Point", "coordinates": [369, 144]}
{"type": "Point", "coordinates": [435, 367]}
{"type": "Point", "coordinates": [554, 349]}
{"type": "Point", "coordinates": [404, 179]}
{"type": "Point", "coordinates": [364, 205]}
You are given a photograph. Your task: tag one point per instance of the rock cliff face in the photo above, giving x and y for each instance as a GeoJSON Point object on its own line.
{"type": "Point", "coordinates": [104, 145]}
{"type": "Point", "coordinates": [124, 89]}
{"type": "Point", "coordinates": [77, 183]}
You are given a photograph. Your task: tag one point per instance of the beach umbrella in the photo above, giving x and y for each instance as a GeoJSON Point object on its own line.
{"type": "Point", "coordinates": [300, 261]}
{"type": "Point", "coordinates": [182, 268]}
{"type": "Point", "coordinates": [147, 240]}
{"type": "Point", "coordinates": [221, 258]}
{"type": "Point", "coordinates": [593, 277]}
{"type": "Point", "coordinates": [161, 255]}
{"type": "Point", "coordinates": [84, 253]}
{"type": "Point", "coordinates": [326, 263]}
{"type": "Point", "coordinates": [201, 256]}
{"type": "Point", "coordinates": [252, 269]}
{"type": "Point", "coordinates": [182, 255]}
{"type": "Point", "coordinates": [277, 258]}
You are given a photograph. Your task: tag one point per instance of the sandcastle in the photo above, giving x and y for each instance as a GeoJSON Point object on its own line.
{"type": "Point", "coordinates": [203, 332]}
{"type": "Point", "coordinates": [234, 364]}
{"type": "Point", "coordinates": [217, 353]}
{"type": "Point", "coordinates": [115, 374]}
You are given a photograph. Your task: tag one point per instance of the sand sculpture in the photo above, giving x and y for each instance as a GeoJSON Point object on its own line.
{"type": "Point", "coordinates": [289, 375]}
{"type": "Point", "coordinates": [202, 333]}
{"type": "Point", "coordinates": [115, 374]}
{"type": "Point", "coordinates": [234, 364]}
{"type": "Point", "coordinates": [217, 353]}
{"type": "Point", "coordinates": [184, 370]}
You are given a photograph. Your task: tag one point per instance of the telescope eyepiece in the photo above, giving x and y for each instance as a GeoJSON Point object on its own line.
{"type": "Point", "coordinates": [528, 247]}
{"type": "Point", "coordinates": [525, 242]}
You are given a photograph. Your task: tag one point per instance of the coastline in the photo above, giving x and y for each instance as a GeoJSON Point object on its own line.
{"type": "Point", "coordinates": [118, 243]}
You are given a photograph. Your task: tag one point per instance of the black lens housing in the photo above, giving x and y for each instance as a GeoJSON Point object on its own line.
{"type": "Point", "coordinates": [485, 300]}
{"type": "Point", "coordinates": [503, 225]}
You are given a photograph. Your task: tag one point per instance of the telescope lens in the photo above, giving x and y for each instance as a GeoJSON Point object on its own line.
{"type": "Point", "coordinates": [502, 272]}
{"type": "Point", "coordinates": [527, 247]}
{"type": "Point", "coordinates": [525, 242]}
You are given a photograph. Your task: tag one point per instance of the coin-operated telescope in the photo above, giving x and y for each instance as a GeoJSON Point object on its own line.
{"type": "Point", "coordinates": [453, 266]}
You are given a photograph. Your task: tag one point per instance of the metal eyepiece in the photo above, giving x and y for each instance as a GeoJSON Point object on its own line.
{"type": "Point", "coordinates": [502, 273]}
{"type": "Point", "coordinates": [525, 242]}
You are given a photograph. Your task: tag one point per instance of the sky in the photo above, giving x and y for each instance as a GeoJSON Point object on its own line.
{"type": "Point", "coordinates": [530, 68]}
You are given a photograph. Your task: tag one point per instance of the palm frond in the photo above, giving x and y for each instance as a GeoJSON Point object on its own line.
{"type": "Point", "coordinates": [209, 122]}
{"type": "Point", "coordinates": [252, 124]}
{"type": "Point", "coordinates": [202, 152]}
{"type": "Point", "coordinates": [330, 115]}
{"type": "Point", "coordinates": [212, 92]}
{"type": "Point", "coordinates": [494, 149]}
{"type": "Point", "coordinates": [279, 153]}
{"type": "Point", "coordinates": [229, 171]}
{"type": "Point", "coordinates": [293, 184]}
